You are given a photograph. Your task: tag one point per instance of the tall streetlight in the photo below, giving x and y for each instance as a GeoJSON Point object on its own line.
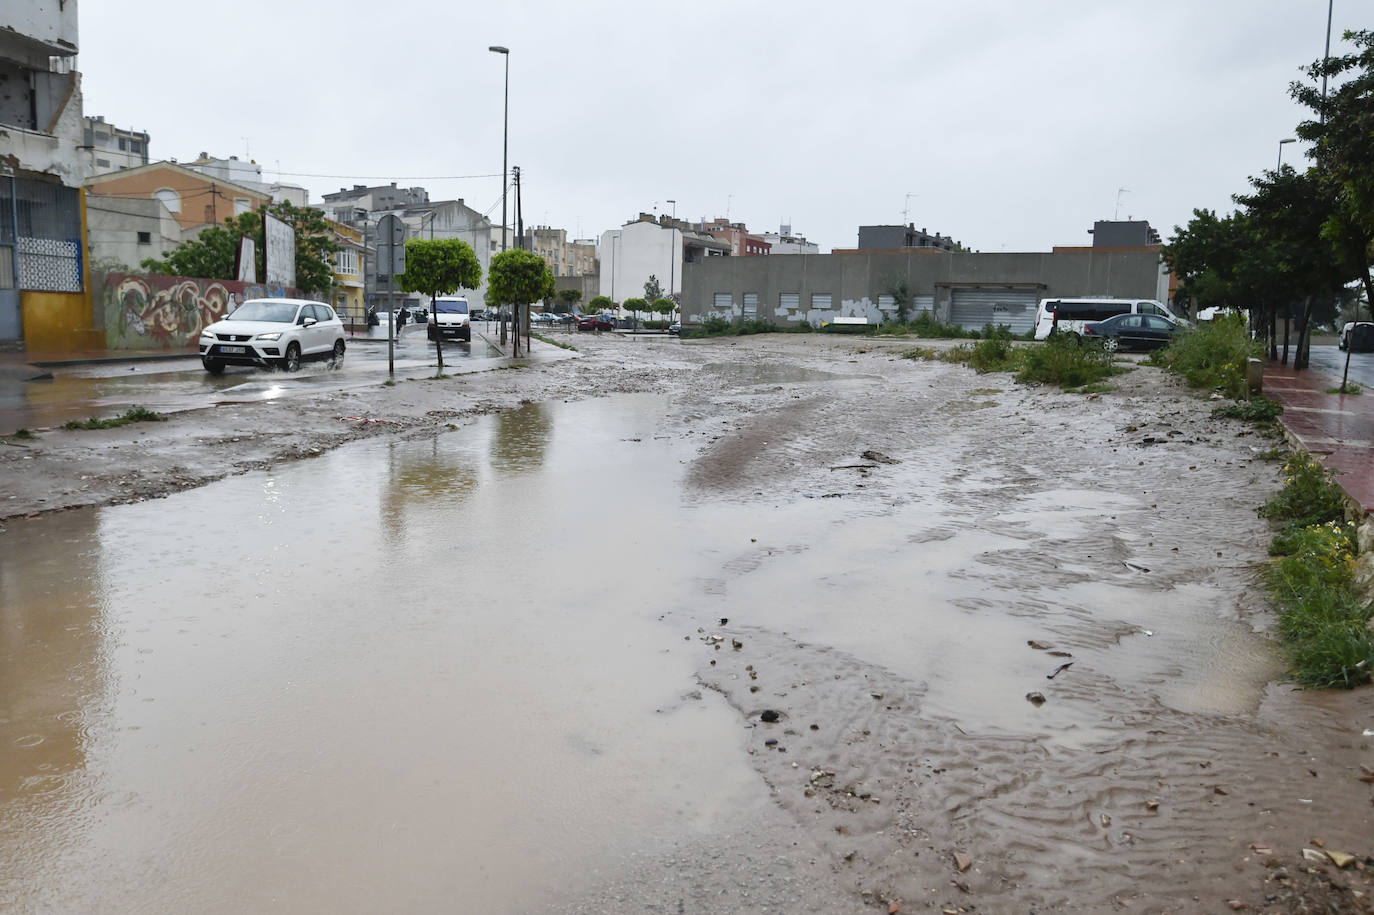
{"type": "Point", "coordinates": [505, 138]}
{"type": "Point", "coordinates": [1279, 166]}
{"type": "Point", "coordinates": [672, 250]}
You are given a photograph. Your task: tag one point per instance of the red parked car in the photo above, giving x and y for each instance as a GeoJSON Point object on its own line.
{"type": "Point", "coordinates": [595, 322]}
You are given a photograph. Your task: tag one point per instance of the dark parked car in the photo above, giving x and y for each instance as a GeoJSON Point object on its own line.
{"type": "Point", "coordinates": [675, 329]}
{"type": "Point", "coordinates": [1132, 332]}
{"type": "Point", "coordinates": [595, 322]}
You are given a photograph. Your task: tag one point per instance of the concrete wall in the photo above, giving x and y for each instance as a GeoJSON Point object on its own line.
{"type": "Point", "coordinates": [167, 312]}
{"type": "Point", "coordinates": [51, 25]}
{"type": "Point", "coordinates": [113, 226]}
{"type": "Point", "coordinates": [854, 281]}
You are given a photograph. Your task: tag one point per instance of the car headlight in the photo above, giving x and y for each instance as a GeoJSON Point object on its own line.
{"type": "Point", "coordinates": [276, 335]}
{"type": "Point", "coordinates": [207, 335]}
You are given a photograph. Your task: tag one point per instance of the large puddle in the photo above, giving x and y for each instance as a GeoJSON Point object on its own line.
{"type": "Point", "coordinates": [460, 672]}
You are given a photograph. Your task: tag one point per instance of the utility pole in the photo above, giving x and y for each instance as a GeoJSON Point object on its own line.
{"type": "Point", "coordinates": [521, 321]}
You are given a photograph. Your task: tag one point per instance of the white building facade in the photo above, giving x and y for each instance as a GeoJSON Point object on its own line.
{"type": "Point", "coordinates": [633, 253]}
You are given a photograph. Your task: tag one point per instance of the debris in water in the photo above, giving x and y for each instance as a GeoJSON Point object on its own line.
{"type": "Point", "coordinates": [725, 620]}
{"type": "Point", "coordinates": [1036, 699]}
{"type": "Point", "coordinates": [1340, 858]}
{"type": "Point", "coordinates": [736, 644]}
{"type": "Point", "coordinates": [1104, 820]}
{"type": "Point", "coordinates": [768, 715]}
{"type": "Point", "coordinates": [1316, 857]}
{"type": "Point", "coordinates": [1058, 670]}
{"type": "Point", "coordinates": [1061, 654]}
{"type": "Point", "coordinates": [1038, 646]}
{"type": "Point", "coordinates": [1132, 565]}
{"type": "Point", "coordinates": [879, 457]}
{"type": "Point", "coordinates": [962, 861]}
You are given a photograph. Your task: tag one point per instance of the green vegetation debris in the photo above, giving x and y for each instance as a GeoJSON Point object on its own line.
{"type": "Point", "coordinates": [131, 415]}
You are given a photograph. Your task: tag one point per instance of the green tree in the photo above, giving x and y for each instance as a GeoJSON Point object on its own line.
{"type": "Point", "coordinates": [652, 290]}
{"type": "Point", "coordinates": [601, 303]}
{"type": "Point", "coordinates": [1343, 149]}
{"type": "Point", "coordinates": [438, 266]}
{"type": "Point", "coordinates": [899, 288]}
{"type": "Point", "coordinates": [212, 254]}
{"type": "Point", "coordinates": [569, 298]}
{"type": "Point", "coordinates": [663, 306]}
{"type": "Point", "coordinates": [635, 306]}
{"type": "Point", "coordinates": [519, 278]}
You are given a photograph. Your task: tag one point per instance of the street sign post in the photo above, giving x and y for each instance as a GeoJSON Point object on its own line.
{"type": "Point", "coordinates": [391, 260]}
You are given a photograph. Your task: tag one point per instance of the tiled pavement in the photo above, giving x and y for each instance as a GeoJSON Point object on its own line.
{"type": "Point", "coordinates": [1338, 428]}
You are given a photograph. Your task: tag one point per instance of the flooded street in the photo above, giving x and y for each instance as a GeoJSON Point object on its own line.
{"type": "Point", "coordinates": [520, 662]}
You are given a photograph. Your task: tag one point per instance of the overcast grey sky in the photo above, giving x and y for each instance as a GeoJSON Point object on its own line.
{"type": "Point", "coordinates": [1013, 124]}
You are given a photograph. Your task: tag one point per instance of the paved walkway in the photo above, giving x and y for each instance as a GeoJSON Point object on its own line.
{"type": "Point", "coordinates": [1339, 428]}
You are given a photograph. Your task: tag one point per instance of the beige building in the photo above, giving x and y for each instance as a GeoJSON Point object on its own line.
{"type": "Point", "coordinates": [195, 200]}
{"type": "Point", "coordinates": [565, 258]}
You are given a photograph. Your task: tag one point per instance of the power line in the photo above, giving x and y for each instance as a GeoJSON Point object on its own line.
{"type": "Point", "coordinates": [388, 177]}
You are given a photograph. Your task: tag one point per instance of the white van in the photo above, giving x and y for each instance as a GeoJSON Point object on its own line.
{"type": "Point", "coordinates": [450, 318]}
{"type": "Point", "coordinates": [1068, 315]}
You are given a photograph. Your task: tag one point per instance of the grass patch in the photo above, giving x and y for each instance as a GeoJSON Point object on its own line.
{"type": "Point", "coordinates": [1351, 389]}
{"type": "Point", "coordinates": [1309, 496]}
{"type": "Point", "coordinates": [1323, 620]}
{"type": "Point", "coordinates": [985, 392]}
{"type": "Point", "coordinates": [22, 434]}
{"type": "Point", "coordinates": [721, 327]}
{"type": "Point", "coordinates": [1096, 387]}
{"type": "Point", "coordinates": [1212, 356]}
{"type": "Point", "coordinates": [1258, 409]}
{"type": "Point", "coordinates": [552, 342]}
{"type": "Point", "coordinates": [131, 415]}
{"type": "Point", "coordinates": [1063, 361]}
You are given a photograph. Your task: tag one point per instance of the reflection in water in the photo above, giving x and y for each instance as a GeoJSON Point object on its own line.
{"type": "Point", "coordinates": [52, 681]}
{"type": "Point", "coordinates": [522, 437]}
{"type": "Point", "coordinates": [422, 479]}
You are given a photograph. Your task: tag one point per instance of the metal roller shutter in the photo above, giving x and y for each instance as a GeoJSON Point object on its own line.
{"type": "Point", "coordinates": [977, 307]}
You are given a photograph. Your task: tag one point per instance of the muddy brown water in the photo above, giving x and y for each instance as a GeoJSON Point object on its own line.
{"type": "Point", "coordinates": [487, 670]}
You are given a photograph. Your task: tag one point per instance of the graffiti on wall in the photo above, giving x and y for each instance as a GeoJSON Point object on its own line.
{"type": "Point", "coordinates": [168, 312]}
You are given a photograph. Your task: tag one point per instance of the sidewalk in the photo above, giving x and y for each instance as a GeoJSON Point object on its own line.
{"type": "Point", "coordinates": [1338, 428]}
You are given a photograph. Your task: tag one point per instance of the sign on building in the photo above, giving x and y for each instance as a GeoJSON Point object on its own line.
{"type": "Point", "coordinates": [279, 251]}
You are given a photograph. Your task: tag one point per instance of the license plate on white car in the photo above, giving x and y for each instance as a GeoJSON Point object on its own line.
{"type": "Point", "coordinates": [233, 350]}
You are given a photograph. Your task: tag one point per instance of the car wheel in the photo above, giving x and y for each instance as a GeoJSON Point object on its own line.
{"type": "Point", "coordinates": [466, 336]}
{"type": "Point", "coordinates": [1111, 344]}
{"type": "Point", "coordinates": [337, 360]}
{"type": "Point", "coordinates": [292, 360]}
{"type": "Point", "coordinates": [213, 366]}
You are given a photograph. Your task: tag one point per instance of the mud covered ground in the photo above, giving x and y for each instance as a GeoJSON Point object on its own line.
{"type": "Point", "coordinates": [1168, 768]}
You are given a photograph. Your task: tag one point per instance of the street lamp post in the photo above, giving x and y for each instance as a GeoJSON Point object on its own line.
{"type": "Point", "coordinates": [1279, 166]}
{"type": "Point", "coordinates": [672, 252]}
{"type": "Point", "coordinates": [505, 137]}
{"type": "Point", "coordinates": [505, 148]}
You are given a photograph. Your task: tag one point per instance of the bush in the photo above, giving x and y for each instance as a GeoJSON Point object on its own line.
{"type": "Point", "coordinates": [1258, 409]}
{"type": "Point", "coordinates": [1213, 356]}
{"type": "Point", "coordinates": [1064, 361]}
{"type": "Point", "coordinates": [131, 415]}
{"type": "Point", "coordinates": [1309, 496]}
{"type": "Point", "coordinates": [994, 354]}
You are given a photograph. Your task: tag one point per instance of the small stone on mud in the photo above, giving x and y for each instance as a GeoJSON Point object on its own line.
{"type": "Point", "coordinates": [878, 457]}
{"type": "Point", "coordinates": [725, 620]}
{"type": "Point", "coordinates": [1038, 646]}
{"type": "Point", "coordinates": [1036, 699]}
{"type": "Point", "coordinates": [768, 715]}
{"type": "Point", "coordinates": [771, 742]}
{"type": "Point", "coordinates": [962, 861]}
{"type": "Point", "coordinates": [736, 644]}
{"type": "Point", "coordinates": [1340, 858]}
{"type": "Point", "coordinates": [815, 727]}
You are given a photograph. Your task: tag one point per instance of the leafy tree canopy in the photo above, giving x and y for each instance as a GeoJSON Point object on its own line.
{"type": "Point", "coordinates": [652, 290]}
{"type": "Point", "coordinates": [519, 277]}
{"type": "Point", "coordinates": [662, 306]}
{"type": "Point", "coordinates": [636, 305]}
{"type": "Point", "coordinates": [439, 266]}
{"type": "Point", "coordinates": [569, 297]}
{"type": "Point", "coordinates": [601, 303]}
{"type": "Point", "coordinates": [213, 253]}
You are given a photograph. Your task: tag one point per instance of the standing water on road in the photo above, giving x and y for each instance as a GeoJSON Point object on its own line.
{"type": "Point", "coordinates": [490, 670]}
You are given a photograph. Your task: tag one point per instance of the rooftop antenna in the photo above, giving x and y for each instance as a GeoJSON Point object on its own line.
{"type": "Point", "coordinates": [906, 207]}
{"type": "Point", "coordinates": [1119, 192]}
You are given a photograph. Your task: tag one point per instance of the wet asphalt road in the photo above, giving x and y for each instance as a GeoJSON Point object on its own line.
{"type": "Point", "coordinates": [81, 391]}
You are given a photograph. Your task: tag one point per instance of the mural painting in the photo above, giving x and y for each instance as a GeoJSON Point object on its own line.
{"type": "Point", "coordinates": [168, 312]}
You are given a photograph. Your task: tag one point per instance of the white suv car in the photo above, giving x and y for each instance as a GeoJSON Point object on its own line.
{"type": "Point", "coordinates": [273, 332]}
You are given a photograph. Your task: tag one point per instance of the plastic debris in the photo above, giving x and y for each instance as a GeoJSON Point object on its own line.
{"type": "Point", "coordinates": [1058, 670]}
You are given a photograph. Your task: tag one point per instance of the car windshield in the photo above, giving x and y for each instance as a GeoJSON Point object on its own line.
{"type": "Point", "coordinates": [270, 312]}
{"type": "Point", "coordinates": [450, 308]}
